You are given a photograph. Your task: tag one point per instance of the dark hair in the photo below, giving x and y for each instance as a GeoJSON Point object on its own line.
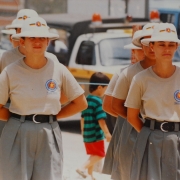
{"type": "Point", "coordinates": [100, 78]}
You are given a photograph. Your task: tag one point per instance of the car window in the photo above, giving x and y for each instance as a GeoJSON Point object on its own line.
{"type": "Point", "coordinates": [112, 51]}
{"type": "Point", "coordinates": [4, 42]}
{"type": "Point", "coordinates": [86, 53]}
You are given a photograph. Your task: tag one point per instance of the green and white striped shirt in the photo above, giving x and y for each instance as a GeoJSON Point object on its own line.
{"type": "Point", "coordinates": [94, 112]}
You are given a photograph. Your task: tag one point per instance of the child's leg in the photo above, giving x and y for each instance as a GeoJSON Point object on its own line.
{"type": "Point", "coordinates": [91, 148]}
{"type": "Point", "coordinates": [88, 165]}
{"type": "Point", "coordinates": [91, 161]}
{"type": "Point", "coordinates": [90, 170]}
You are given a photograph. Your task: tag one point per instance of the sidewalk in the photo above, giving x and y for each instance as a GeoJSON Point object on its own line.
{"type": "Point", "coordinates": [75, 156]}
{"type": "Point", "coordinates": [75, 176]}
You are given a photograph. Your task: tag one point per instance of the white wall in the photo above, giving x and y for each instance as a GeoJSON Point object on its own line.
{"type": "Point", "coordinates": [117, 7]}
{"type": "Point", "coordinates": [87, 7]}
{"type": "Point", "coordinates": [137, 8]}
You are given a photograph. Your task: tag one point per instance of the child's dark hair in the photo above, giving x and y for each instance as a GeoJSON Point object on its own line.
{"type": "Point", "coordinates": [100, 78]}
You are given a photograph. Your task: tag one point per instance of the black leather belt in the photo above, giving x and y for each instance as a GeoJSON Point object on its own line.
{"type": "Point", "coordinates": [163, 126]}
{"type": "Point", "coordinates": [37, 118]}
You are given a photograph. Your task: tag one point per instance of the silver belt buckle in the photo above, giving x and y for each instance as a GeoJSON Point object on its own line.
{"type": "Point", "coordinates": [161, 127]}
{"type": "Point", "coordinates": [34, 119]}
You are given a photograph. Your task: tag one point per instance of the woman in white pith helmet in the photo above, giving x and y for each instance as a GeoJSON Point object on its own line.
{"type": "Point", "coordinates": [18, 52]}
{"type": "Point", "coordinates": [110, 158]}
{"type": "Point", "coordinates": [121, 167]}
{"type": "Point", "coordinates": [155, 93]}
{"type": "Point", "coordinates": [137, 52]}
{"type": "Point", "coordinates": [31, 143]}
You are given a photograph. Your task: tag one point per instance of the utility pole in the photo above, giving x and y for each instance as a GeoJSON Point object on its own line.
{"type": "Point", "coordinates": [126, 7]}
{"type": "Point", "coordinates": [109, 7]}
{"type": "Point", "coordinates": [26, 4]}
{"type": "Point", "coordinates": [147, 8]}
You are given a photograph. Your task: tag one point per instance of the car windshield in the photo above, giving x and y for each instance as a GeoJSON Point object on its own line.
{"type": "Point", "coordinates": [4, 42]}
{"type": "Point", "coordinates": [112, 51]}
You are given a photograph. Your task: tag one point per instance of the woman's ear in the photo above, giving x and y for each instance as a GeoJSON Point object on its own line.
{"type": "Point", "coordinates": [151, 46]}
{"type": "Point", "coordinates": [100, 87]}
{"type": "Point", "coordinates": [22, 42]}
{"type": "Point", "coordinates": [10, 38]}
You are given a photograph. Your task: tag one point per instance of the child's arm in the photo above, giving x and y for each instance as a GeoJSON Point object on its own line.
{"type": "Point", "coordinates": [82, 126]}
{"type": "Point", "coordinates": [105, 129]}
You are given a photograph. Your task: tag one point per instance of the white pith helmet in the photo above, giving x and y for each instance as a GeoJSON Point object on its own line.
{"type": "Point", "coordinates": [131, 45]}
{"type": "Point", "coordinates": [22, 15]}
{"type": "Point", "coordinates": [146, 31]}
{"type": "Point", "coordinates": [35, 27]}
{"type": "Point", "coordinates": [163, 32]}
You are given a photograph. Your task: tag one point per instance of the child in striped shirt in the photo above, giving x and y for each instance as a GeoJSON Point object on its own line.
{"type": "Point", "coordinates": [93, 125]}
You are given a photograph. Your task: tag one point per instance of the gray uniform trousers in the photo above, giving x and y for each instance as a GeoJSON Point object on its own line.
{"type": "Point", "coordinates": [2, 124]}
{"type": "Point", "coordinates": [122, 165]}
{"type": "Point", "coordinates": [109, 158]}
{"type": "Point", "coordinates": [30, 151]}
{"type": "Point", "coordinates": [156, 155]}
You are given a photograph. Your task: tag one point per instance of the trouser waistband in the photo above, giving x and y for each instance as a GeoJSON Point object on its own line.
{"type": "Point", "coordinates": [36, 118]}
{"type": "Point", "coordinates": [163, 126]}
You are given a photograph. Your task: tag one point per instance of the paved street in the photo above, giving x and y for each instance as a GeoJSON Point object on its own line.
{"type": "Point", "coordinates": [74, 152]}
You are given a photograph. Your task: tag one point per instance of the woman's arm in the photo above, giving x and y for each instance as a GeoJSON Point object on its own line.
{"type": "Point", "coordinates": [133, 119]}
{"type": "Point", "coordinates": [105, 129]}
{"type": "Point", "coordinates": [75, 106]}
{"type": "Point", "coordinates": [107, 105]}
{"type": "Point", "coordinates": [107, 100]}
{"type": "Point", "coordinates": [118, 107]}
{"type": "Point", "coordinates": [4, 113]}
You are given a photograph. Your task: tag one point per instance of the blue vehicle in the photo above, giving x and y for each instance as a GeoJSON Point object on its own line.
{"type": "Point", "coordinates": [170, 16]}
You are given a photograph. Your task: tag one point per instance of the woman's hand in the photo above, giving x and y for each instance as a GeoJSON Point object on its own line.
{"type": "Point", "coordinates": [133, 119]}
{"type": "Point", "coordinates": [4, 113]}
{"type": "Point", "coordinates": [74, 107]}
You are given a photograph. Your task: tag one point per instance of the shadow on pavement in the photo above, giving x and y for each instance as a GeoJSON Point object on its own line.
{"type": "Point", "coordinates": [70, 126]}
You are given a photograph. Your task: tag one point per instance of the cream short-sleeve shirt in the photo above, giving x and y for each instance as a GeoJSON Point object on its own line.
{"type": "Point", "coordinates": [113, 81]}
{"type": "Point", "coordinates": [14, 54]}
{"type": "Point", "coordinates": [157, 98]}
{"type": "Point", "coordinates": [123, 83]}
{"type": "Point", "coordinates": [37, 91]}
{"type": "Point", "coordinates": [9, 57]}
